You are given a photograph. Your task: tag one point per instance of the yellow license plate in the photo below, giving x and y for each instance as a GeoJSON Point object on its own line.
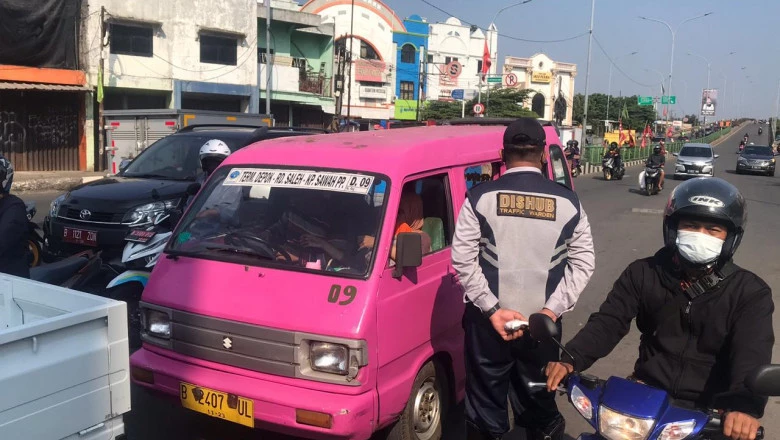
{"type": "Point", "coordinates": [217, 404]}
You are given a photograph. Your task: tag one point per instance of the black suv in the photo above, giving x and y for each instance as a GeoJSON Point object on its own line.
{"type": "Point", "coordinates": [99, 214]}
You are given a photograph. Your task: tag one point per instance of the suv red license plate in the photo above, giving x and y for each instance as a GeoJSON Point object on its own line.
{"type": "Point", "coordinates": [140, 236]}
{"type": "Point", "coordinates": [80, 236]}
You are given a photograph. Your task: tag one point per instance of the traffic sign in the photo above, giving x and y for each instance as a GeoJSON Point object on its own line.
{"type": "Point", "coordinates": [458, 94]}
{"type": "Point", "coordinates": [511, 80]}
{"type": "Point", "coordinates": [645, 100]}
{"type": "Point", "coordinates": [668, 100]}
{"type": "Point", "coordinates": [453, 69]}
{"type": "Point", "coordinates": [494, 80]}
{"type": "Point", "coordinates": [479, 108]}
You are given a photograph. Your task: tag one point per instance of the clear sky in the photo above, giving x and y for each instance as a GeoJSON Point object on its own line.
{"type": "Point", "coordinates": [747, 27]}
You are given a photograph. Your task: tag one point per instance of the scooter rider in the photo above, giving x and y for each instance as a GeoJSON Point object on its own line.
{"type": "Point", "coordinates": [614, 152]}
{"type": "Point", "coordinates": [13, 226]}
{"type": "Point", "coordinates": [705, 322]}
{"type": "Point", "coordinates": [223, 200]}
{"type": "Point", "coordinates": [657, 160]}
{"type": "Point", "coordinates": [572, 152]}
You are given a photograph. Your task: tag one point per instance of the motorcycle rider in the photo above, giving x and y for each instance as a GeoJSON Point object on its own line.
{"type": "Point", "coordinates": [572, 152]}
{"type": "Point", "coordinates": [657, 160]}
{"type": "Point", "coordinates": [223, 200]}
{"type": "Point", "coordinates": [614, 152]}
{"type": "Point", "coordinates": [13, 226]}
{"type": "Point", "coordinates": [705, 322]}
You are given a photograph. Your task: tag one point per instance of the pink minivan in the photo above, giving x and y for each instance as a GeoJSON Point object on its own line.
{"type": "Point", "coordinates": [306, 310]}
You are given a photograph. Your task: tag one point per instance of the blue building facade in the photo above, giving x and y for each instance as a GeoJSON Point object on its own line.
{"type": "Point", "coordinates": [411, 46]}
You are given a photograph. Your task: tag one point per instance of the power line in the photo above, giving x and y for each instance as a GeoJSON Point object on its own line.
{"type": "Point", "coordinates": [618, 67]}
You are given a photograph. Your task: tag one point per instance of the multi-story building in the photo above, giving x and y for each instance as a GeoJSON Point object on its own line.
{"type": "Point", "coordinates": [411, 47]}
{"type": "Point", "coordinates": [455, 57]}
{"type": "Point", "coordinates": [43, 92]}
{"type": "Point", "coordinates": [552, 83]}
{"type": "Point", "coordinates": [364, 44]}
{"type": "Point", "coordinates": [302, 75]}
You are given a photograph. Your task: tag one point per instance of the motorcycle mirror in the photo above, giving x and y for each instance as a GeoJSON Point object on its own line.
{"type": "Point", "coordinates": [173, 218]}
{"type": "Point", "coordinates": [765, 380]}
{"type": "Point", "coordinates": [193, 188]}
{"type": "Point", "coordinates": [542, 327]}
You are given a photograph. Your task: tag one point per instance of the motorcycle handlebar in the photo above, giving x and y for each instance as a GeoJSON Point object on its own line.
{"type": "Point", "coordinates": [715, 428]}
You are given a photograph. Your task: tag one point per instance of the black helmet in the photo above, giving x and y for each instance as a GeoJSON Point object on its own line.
{"type": "Point", "coordinates": [708, 199]}
{"type": "Point", "coordinates": [657, 149]}
{"type": "Point", "coordinates": [6, 174]}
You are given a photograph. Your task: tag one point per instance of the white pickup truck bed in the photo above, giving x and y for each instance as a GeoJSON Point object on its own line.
{"type": "Point", "coordinates": [64, 363]}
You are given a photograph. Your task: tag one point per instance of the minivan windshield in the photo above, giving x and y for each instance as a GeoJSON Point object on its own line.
{"type": "Point", "coordinates": [174, 157]}
{"type": "Point", "coordinates": [758, 151]}
{"type": "Point", "coordinates": [302, 219]}
{"type": "Point", "coordinates": [696, 152]}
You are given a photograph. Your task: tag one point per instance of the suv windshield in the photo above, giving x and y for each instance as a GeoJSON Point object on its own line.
{"type": "Point", "coordinates": [759, 151]}
{"type": "Point", "coordinates": [696, 152]}
{"type": "Point", "coordinates": [313, 220]}
{"type": "Point", "coordinates": [174, 157]}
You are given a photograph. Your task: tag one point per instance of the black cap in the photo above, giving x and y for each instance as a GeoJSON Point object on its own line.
{"type": "Point", "coordinates": [524, 131]}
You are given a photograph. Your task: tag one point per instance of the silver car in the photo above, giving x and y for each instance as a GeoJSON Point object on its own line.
{"type": "Point", "coordinates": [695, 160]}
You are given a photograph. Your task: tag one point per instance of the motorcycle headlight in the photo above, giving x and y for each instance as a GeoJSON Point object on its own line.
{"type": "Point", "coordinates": [677, 430]}
{"type": "Point", "coordinates": [329, 358]}
{"type": "Point", "coordinates": [54, 208]}
{"type": "Point", "coordinates": [145, 214]}
{"type": "Point", "coordinates": [616, 426]}
{"type": "Point", "coordinates": [581, 402]}
{"type": "Point", "coordinates": [157, 323]}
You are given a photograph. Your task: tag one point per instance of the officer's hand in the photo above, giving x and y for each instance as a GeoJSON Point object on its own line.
{"type": "Point", "coordinates": [556, 372]}
{"type": "Point", "coordinates": [499, 320]}
{"type": "Point", "coordinates": [740, 426]}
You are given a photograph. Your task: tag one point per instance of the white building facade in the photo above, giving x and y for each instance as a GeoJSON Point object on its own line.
{"type": "Point", "coordinates": [550, 82]}
{"type": "Point", "coordinates": [368, 91]}
{"type": "Point", "coordinates": [453, 45]}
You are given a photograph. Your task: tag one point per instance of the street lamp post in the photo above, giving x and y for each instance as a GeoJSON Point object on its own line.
{"type": "Point", "coordinates": [587, 73]}
{"type": "Point", "coordinates": [709, 66]}
{"type": "Point", "coordinates": [655, 107]}
{"type": "Point", "coordinates": [609, 86]}
{"type": "Point", "coordinates": [674, 35]}
{"type": "Point", "coordinates": [490, 45]}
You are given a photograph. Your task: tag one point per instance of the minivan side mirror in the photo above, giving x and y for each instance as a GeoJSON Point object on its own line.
{"type": "Point", "coordinates": [765, 380]}
{"type": "Point", "coordinates": [675, 154]}
{"type": "Point", "coordinates": [408, 252]}
{"type": "Point", "coordinates": [193, 188]}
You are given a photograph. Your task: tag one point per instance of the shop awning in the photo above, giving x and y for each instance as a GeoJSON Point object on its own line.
{"type": "Point", "coordinates": [43, 87]}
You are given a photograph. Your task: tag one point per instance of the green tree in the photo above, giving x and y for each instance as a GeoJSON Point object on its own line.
{"type": "Point", "coordinates": [504, 103]}
{"type": "Point", "coordinates": [638, 115]}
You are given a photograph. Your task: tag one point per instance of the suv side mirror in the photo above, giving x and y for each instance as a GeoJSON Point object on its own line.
{"type": "Point", "coordinates": [765, 380]}
{"type": "Point", "coordinates": [675, 154]}
{"type": "Point", "coordinates": [124, 164]}
{"type": "Point", "coordinates": [193, 189]}
{"type": "Point", "coordinates": [717, 156]}
{"type": "Point", "coordinates": [408, 252]}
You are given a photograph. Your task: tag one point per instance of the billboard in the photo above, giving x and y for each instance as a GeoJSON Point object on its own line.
{"type": "Point", "coordinates": [709, 102]}
{"type": "Point", "coordinates": [406, 109]}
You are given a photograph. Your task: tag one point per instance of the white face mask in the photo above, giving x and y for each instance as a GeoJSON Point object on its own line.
{"type": "Point", "coordinates": [698, 248]}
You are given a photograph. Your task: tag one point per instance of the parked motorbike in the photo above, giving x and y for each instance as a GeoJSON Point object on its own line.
{"type": "Point", "coordinates": [620, 408]}
{"type": "Point", "coordinates": [652, 180]}
{"type": "Point", "coordinates": [78, 272]}
{"type": "Point", "coordinates": [610, 170]}
{"type": "Point", "coordinates": [34, 238]}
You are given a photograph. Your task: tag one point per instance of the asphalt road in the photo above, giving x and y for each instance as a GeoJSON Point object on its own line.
{"type": "Point", "coordinates": [626, 226]}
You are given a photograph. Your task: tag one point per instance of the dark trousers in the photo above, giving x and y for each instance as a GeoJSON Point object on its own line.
{"type": "Point", "coordinates": [497, 369]}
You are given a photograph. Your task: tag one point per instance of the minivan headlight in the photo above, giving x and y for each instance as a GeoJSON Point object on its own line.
{"type": "Point", "coordinates": [54, 208]}
{"type": "Point", "coordinates": [327, 357]}
{"type": "Point", "coordinates": [157, 323]}
{"type": "Point", "coordinates": [145, 214]}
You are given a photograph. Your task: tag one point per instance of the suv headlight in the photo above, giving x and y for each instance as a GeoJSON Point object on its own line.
{"type": "Point", "coordinates": [616, 426]}
{"type": "Point", "coordinates": [54, 208]}
{"type": "Point", "coordinates": [145, 214]}
{"type": "Point", "coordinates": [156, 323]}
{"type": "Point", "coordinates": [742, 160]}
{"type": "Point", "coordinates": [329, 358]}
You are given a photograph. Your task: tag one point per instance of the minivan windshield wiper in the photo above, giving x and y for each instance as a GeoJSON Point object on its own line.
{"type": "Point", "coordinates": [222, 248]}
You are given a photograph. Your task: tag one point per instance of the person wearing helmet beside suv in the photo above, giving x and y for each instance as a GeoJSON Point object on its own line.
{"type": "Point", "coordinates": [13, 226]}
{"type": "Point", "coordinates": [224, 201]}
{"type": "Point", "coordinates": [705, 322]}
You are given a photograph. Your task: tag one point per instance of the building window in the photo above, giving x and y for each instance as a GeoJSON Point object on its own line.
{"type": "Point", "coordinates": [262, 56]}
{"type": "Point", "coordinates": [218, 50]}
{"type": "Point", "coordinates": [367, 52]}
{"type": "Point", "coordinates": [430, 59]}
{"type": "Point", "coordinates": [448, 60]}
{"type": "Point", "coordinates": [131, 40]}
{"type": "Point", "coordinates": [407, 90]}
{"type": "Point", "coordinates": [479, 66]}
{"type": "Point", "coordinates": [407, 53]}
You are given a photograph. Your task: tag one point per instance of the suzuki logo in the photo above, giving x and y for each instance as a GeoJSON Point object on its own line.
{"type": "Point", "coordinates": [712, 202]}
{"type": "Point", "coordinates": [85, 214]}
{"type": "Point", "coordinates": [227, 343]}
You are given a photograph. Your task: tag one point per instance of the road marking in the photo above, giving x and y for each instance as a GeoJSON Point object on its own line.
{"type": "Point", "coordinates": [647, 211]}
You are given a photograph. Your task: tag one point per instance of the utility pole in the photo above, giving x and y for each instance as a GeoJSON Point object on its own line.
{"type": "Point", "coordinates": [269, 61]}
{"type": "Point", "coordinates": [349, 65]}
{"type": "Point", "coordinates": [423, 58]}
{"type": "Point", "coordinates": [587, 74]}
{"type": "Point", "coordinates": [101, 67]}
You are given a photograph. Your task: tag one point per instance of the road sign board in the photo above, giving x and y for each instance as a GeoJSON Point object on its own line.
{"type": "Point", "coordinates": [645, 100]}
{"type": "Point", "coordinates": [510, 80]}
{"type": "Point", "coordinates": [494, 79]}
{"type": "Point", "coordinates": [453, 69]}
{"type": "Point", "coordinates": [479, 108]}
{"type": "Point", "coordinates": [668, 100]}
{"type": "Point", "coordinates": [458, 94]}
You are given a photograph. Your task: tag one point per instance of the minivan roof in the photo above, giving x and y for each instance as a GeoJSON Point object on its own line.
{"type": "Point", "coordinates": [395, 153]}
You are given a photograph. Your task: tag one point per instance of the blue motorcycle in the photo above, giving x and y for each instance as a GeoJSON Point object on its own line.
{"type": "Point", "coordinates": [622, 409]}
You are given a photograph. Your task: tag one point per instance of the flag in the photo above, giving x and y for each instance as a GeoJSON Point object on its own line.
{"type": "Point", "coordinates": [631, 141]}
{"type": "Point", "coordinates": [621, 135]}
{"type": "Point", "coordinates": [486, 63]}
{"type": "Point", "coordinates": [646, 134]}
{"type": "Point", "coordinates": [669, 132]}
{"type": "Point", "coordinates": [624, 113]}
{"type": "Point", "coordinates": [100, 86]}
{"type": "Point", "coordinates": [665, 109]}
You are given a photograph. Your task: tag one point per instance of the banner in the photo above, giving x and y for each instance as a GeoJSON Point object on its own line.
{"type": "Point", "coordinates": [709, 102]}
